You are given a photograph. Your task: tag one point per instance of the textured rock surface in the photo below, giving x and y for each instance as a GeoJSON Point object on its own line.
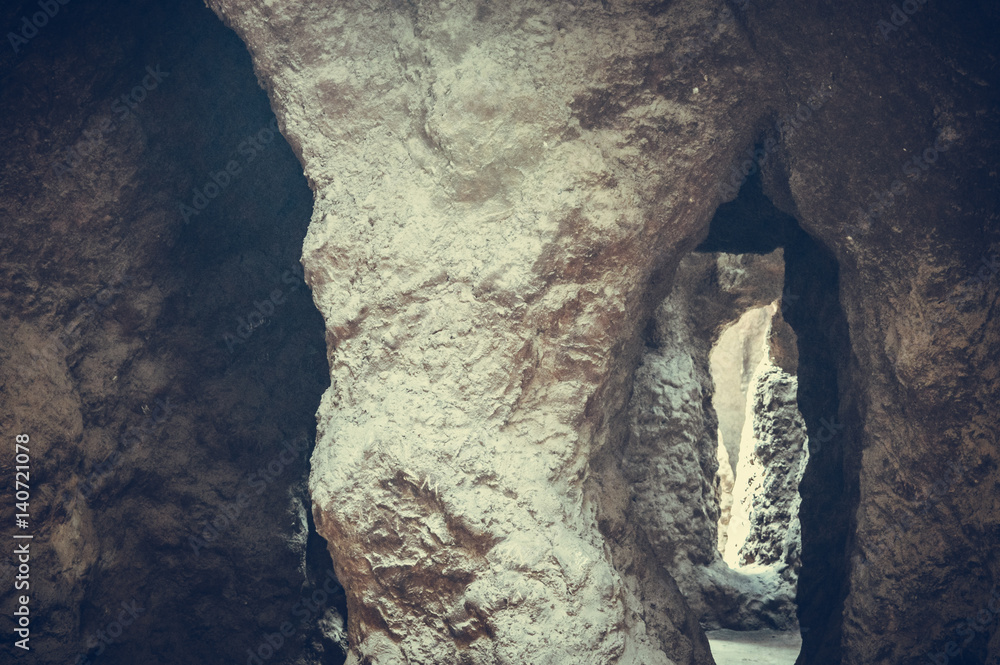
{"type": "Point", "coordinates": [757, 357]}
{"type": "Point", "coordinates": [144, 428]}
{"type": "Point", "coordinates": [488, 182]}
{"type": "Point", "coordinates": [501, 195]}
{"type": "Point", "coordinates": [764, 531]}
{"type": "Point", "coordinates": [671, 458]}
{"type": "Point", "coordinates": [765, 523]}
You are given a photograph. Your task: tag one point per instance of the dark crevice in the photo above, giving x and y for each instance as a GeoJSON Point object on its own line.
{"type": "Point", "coordinates": [749, 224]}
{"type": "Point", "coordinates": [829, 486]}
{"type": "Point", "coordinates": [752, 224]}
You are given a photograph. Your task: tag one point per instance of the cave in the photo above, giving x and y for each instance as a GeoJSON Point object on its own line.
{"type": "Point", "coordinates": [729, 338]}
{"type": "Point", "coordinates": [623, 332]}
{"type": "Point", "coordinates": [816, 346]}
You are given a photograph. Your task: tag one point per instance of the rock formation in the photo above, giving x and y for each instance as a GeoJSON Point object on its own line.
{"type": "Point", "coordinates": [766, 496]}
{"type": "Point", "coordinates": [764, 540]}
{"type": "Point", "coordinates": [671, 458]}
{"type": "Point", "coordinates": [166, 370]}
{"type": "Point", "coordinates": [500, 195]}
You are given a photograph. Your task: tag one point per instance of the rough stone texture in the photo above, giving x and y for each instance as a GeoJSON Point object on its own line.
{"type": "Point", "coordinates": [765, 523]}
{"type": "Point", "coordinates": [760, 335]}
{"type": "Point", "coordinates": [502, 192]}
{"type": "Point", "coordinates": [914, 357]}
{"type": "Point", "coordinates": [765, 526]}
{"type": "Point", "coordinates": [765, 534]}
{"type": "Point", "coordinates": [671, 458]}
{"type": "Point", "coordinates": [488, 180]}
{"type": "Point", "coordinates": [114, 317]}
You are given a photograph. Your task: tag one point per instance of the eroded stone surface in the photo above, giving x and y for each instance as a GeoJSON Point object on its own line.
{"type": "Point", "coordinates": [671, 459]}
{"type": "Point", "coordinates": [480, 173]}
{"type": "Point", "coordinates": [765, 520]}
{"type": "Point", "coordinates": [764, 533]}
{"type": "Point", "coordinates": [502, 193]}
{"type": "Point", "coordinates": [145, 425]}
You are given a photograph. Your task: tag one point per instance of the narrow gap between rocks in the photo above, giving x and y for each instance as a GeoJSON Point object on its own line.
{"type": "Point", "coordinates": [739, 376]}
{"type": "Point", "coordinates": [811, 341]}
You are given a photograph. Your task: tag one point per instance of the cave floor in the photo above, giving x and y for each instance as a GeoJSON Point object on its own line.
{"type": "Point", "coordinates": [764, 647]}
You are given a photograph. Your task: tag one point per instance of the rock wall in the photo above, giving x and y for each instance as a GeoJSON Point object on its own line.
{"type": "Point", "coordinates": [502, 193]}
{"type": "Point", "coordinates": [670, 461]}
{"type": "Point", "coordinates": [473, 196]}
{"type": "Point", "coordinates": [765, 518]}
{"type": "Point", "coordinates": [764, 532]}
{"type": "Point", "coordinates": [671, 458]}
{"type": "Point", "coordinates": [166, 365]}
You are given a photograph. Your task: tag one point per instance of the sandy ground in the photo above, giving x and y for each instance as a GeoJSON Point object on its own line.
{"type": "Point", "coordinates": [761, 647]}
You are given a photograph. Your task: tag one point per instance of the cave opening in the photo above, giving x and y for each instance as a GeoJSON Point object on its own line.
{"type": "Point", "coordinates": [761, 451]}
{"type": "Point", "coordinates": [745, 357]}
{"type": "Point", "coordinates": [762, 454]}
